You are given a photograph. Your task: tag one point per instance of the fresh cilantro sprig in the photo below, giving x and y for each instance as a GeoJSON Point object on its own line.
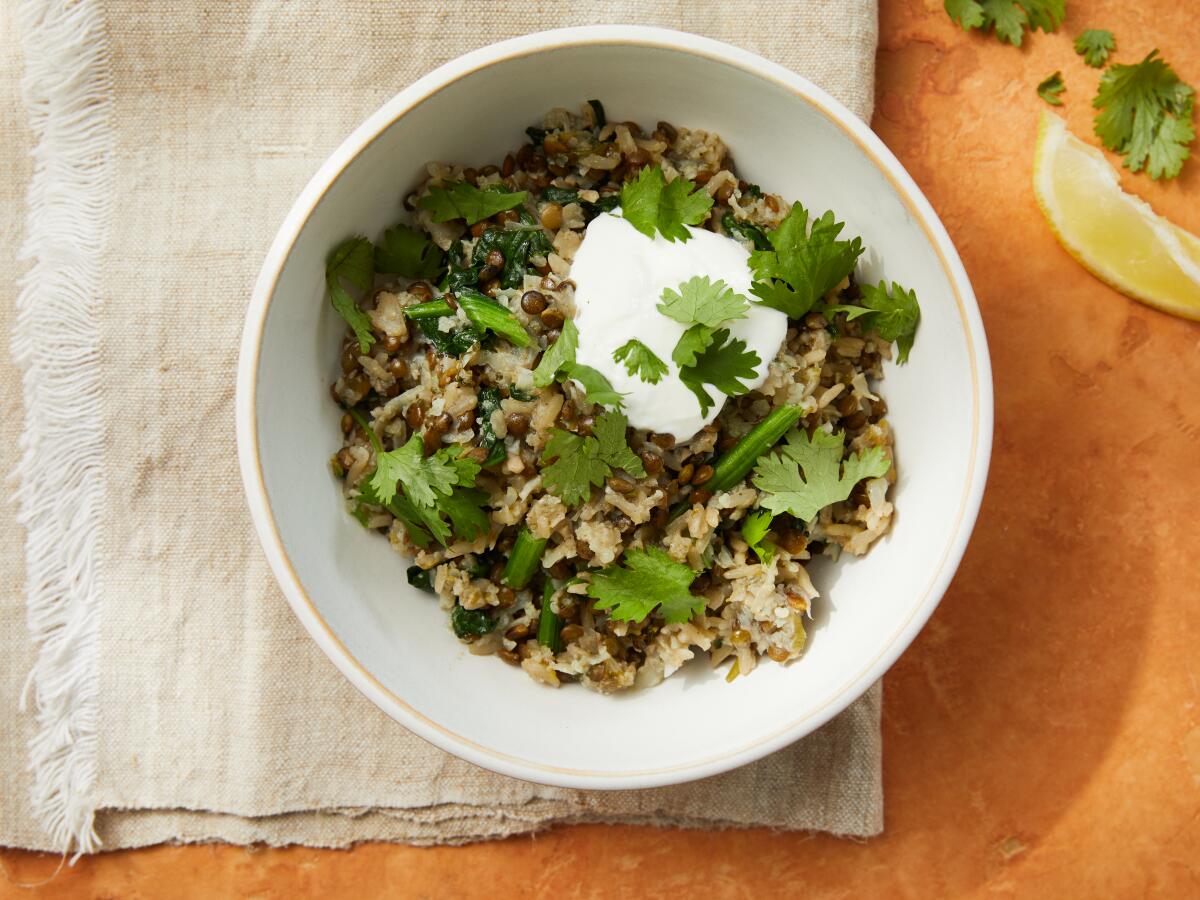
{"type": "Point", "coordinates": [425, 478]}
{"type": "Point", "coordinates": [408, 252]}
{"type": "Point", "coordinates": [1145, 114]}
{"type": "Point", "coordinates": [652, 204]}
{"type": "Point", "coordinates": [754, 531]}
{"type": "Point", "coordinates": [1009, 18]}
{"type": "Point", "coordinates": [723, 362]}
{"type": "Point", "coordinates": [1050, 87]}
{"type": "Point", "coordinates": [896, 315]}
{"type": "Point", "coordinates": [435, 488]}
{"type": "Point", "coordinates": [700, 301]}
{"type": "Point", "coordinates": [640, 361]}
{"type": "Point", "coordinates": [805, 264]}
{"type": "Point", "coordinates": [1094, 45]}
{"type": "Point", "coordinates": [558, 355]}
{"type": "Point", "coordinates": [645, 580]}
{"type": "Point", "coordinates": [461, 200]}
{"type": "Point", "coordinates": [351, 261]}
{"type": "Point", "coordinates": [558, 362]}
{"type": "Point", "coordinates": [808, 474]}
{"type": "Point", "coordinates": [580, 463]}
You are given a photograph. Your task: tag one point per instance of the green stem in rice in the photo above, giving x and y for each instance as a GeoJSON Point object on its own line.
{"type": "Point", "coordinates": [362, 422]}
{"type": "Point", "coordinates": [733, 466]}
{"type": "Point", "coordinates": [549, 624]}
{"type": "Point", "coordinates": [523, 561]}
{"type": "Point", "coordinates": [434, 309]}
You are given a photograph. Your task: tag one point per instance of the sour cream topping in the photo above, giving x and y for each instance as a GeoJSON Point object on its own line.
{"type": "Point", "coordinates": [619, 276]}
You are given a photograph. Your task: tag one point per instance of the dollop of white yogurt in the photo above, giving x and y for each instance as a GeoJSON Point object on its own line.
{"type": "Point", "coordinates": [619, 276]}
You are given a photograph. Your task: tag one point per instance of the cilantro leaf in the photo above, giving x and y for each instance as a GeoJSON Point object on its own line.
{"type": "Point", "coordinates": [641, 361]}
{"type": "Point", "coordinates": [643, 581]}
{"type": "Point", "coordinates": [805, 264]}
{"type": "Point", "coordinates": [460, 200]}
{"type": "Point", "coordinates": [351, 261]}
{"type": "Point", "coordinates": [609, 430]}
{"type": "Point", "coordinates": [691, 344]}
{"type": "Point", "coordinates": [1009, 18]}
{"type": "Point", "coordinates": [723, 363]}
{"type": "Point", "coordinates": [466, 509]}
{"type": "Point", "coordinates": [577, 466]}
{"type": "Point", "coordinates": [826, 478]}
{"type": "Point", "coordinates": [486, 313]}
{"type": "Point", "coordinates": [424, 478]}
{"type": "Point", "coordinates": [651, 204]}
{"type": "Point", "coordinates": [1094, 45]}
{"type": "Point", "coordinates": [895, 316]}
{"type": "Point", "coordinates": [408, 252]}
{"type": "Point", "coordinates": [598, 388]}
{"type": "Point", "coordinates": [558, 355]}
{"type": "Point", "coordinates": [1146, 115]}
{"type": "Point", "coordinates": [754, 531]}
{"type": "Point", "coordinates": [581, 463]}
{"type": "Point", "coordinates": [702, 302]}
{"type": "Point", "coordinates": [1050, 87]}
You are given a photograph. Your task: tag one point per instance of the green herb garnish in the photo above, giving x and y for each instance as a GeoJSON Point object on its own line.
{"type": "Point", "coordinates": [640, 361]}
{"type": "Point", "coordinates": [645, 580]}
{"type": "Point", "coordinates": [461, 200]}
{"type": "Point", "coordinates": [650, 204]}
{"type": "Point", "coordinates": [1095, 45]}
{"type": "Point", "coordinates": [351, 261]}
{"type": "Point", "coordinates": [808, 474]}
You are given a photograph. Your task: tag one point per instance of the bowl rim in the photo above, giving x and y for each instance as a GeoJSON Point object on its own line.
{"type": "Point", "coordinates": [280, 251]}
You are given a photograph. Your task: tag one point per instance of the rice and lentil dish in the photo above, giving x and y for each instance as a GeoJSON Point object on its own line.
{"type": "Point", "coordinates": [459, 400]}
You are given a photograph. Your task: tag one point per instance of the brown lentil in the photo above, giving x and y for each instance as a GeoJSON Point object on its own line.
{"type": "Point", "coordinates": [702, 475]}
{"type": "Point", "coordinates": [701, 496]}
{"type": "Point", "coordinates": [518, 632]}
{"type": "Point", "coordinates": [666, 441]}
{"type": "Point", "coordinates": [552, 216]}
{"type": "Point", "coordinates": [517, 424]}
{"type": "Point", "coordinates": [652, 462]}
{"type": "Point", "coordinates": [421, 290]}
{"type": "Point", "coordinates": [571, 633]}
{"type": "Point", "coordinates": [552, 317]}
{"type": "Point", "coordinates": [533, 302]}
{"type": "Point", "coordinates": [347, 423]}
{"type": "Point", "coordinates": [415, 414]}
{"type": "Point", "coordinates": [495, 259]}
{"type": "Point", "coordinates": [398, 368]}
{"type": "Point", "coordinates": [685, 474]}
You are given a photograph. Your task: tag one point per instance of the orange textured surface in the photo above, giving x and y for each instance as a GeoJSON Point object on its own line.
{"type": "Point", "coordinates": [1042, 735]}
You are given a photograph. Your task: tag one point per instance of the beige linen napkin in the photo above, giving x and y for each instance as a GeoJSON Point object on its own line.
{"type": "Point", "coordinates": [175, 695]}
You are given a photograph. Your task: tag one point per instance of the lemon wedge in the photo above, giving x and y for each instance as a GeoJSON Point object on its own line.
{"type": "Point", "coordinates": [1116, 236]}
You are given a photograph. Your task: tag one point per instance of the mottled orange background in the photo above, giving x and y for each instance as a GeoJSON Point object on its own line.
{"type": "Point", "coordinates": [1042, 737]}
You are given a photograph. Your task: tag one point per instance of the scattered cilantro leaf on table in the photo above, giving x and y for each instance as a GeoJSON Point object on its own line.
{"type": "Point", "coordinates": [1008, 18]}
{"type": "Point", "coordinates": [581, 462]}
{"type": "Point", "coordinates": [461, 200]}
{"type": "Point", "coordinates": [700, 301]}
{"type": "Point", "coordinates": [724, 363]}
{"type": "Point", "coordinates": [1094, 45]}
{"type": "Point", "coordinates": [895, 316]}
{"type": "Point", "coordinates": [640, 361]}
{"type": "Point", "coordinates": [351, 261]}
{"type": "Point", "coordinates": [1145, 114]}
{"type": "Point", "coordinates": [408, 252]}
{"type": "Point", "coordinates": [643, 581]}
{"type": "Point", "coordinates": [558, 355]}
{"type": "Point", "coordinates": [754, 531]}
{"type": "Point", "coordinates": [651, 204]}
{"type": "Point", "coordinates": [804, 265]}
{"type": "Point", "coordinates": [826, 478]}
{"type": "Point", "coordinates": [1050, 87]}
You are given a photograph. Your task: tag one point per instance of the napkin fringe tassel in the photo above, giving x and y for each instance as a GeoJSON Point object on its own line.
{"type": "Point", "coordinates": [59, 480]}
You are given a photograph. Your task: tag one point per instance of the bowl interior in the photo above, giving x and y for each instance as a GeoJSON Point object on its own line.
{"type": "Point", "coordinates": [869, 608]}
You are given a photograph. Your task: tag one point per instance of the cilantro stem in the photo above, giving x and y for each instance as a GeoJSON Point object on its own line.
{"type": "Point", "coordinates": [523, 561]}
{"type": "Point", "coordinates": [362, 422]}
{"type": "Point", "coordinates": [434, 309]}
{"type": "Point", "coordinates": [549, 624]}
{"type": "Point", "coordinates": [733, 466]}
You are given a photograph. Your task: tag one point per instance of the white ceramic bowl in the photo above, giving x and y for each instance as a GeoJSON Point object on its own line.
{"type": "Point", "coordinates": [347, 585]}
